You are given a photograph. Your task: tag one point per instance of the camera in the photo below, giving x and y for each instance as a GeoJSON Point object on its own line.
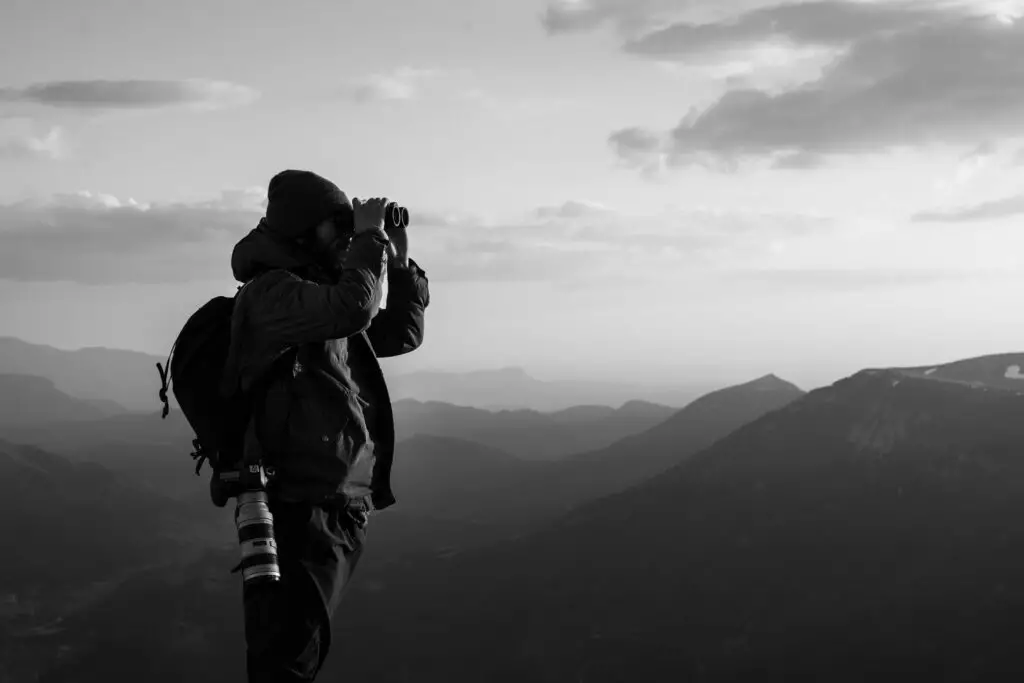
{"type": "Point", "coordinates": [254, 522]}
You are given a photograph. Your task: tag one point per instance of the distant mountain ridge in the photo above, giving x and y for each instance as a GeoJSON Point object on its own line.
{"type": "Point", "coordinates": [27, 400]}
{"type": "Point", "coordinates": [155, 449]}
{"type": "Point", "coordinates": [512, 388]}
{"type": "Point", "coordinates": [529, 434]}
{"type": "Point", "coordinates": [588, 451]}
{"type": "Point", "coordinates": [639, 457]}
{"type": "Point", "coordinates": [513, 493]}
{"type": "Point", "coordinates": [130, 379]}
{"type": "Point", "coordinates": [999, 371]}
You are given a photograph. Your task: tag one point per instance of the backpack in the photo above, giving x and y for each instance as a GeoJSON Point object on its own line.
{"type": "Point", "coordinates": [194, 370]}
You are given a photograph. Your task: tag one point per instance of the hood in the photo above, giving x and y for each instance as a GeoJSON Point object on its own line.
{"type": "Point", "coordinates": [260, 251]}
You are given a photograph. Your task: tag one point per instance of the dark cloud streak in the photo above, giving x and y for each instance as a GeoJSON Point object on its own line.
{"type": "Point", "coordinates": [80, 239]}
{"type": "Point", "coordinates": [131, 94]}
{"type": "Point", "coordinates": [631, 16]}
{"type": "Point", "coordinates": [567, 16]}
{"type": "Point", "coordinates": [986, 211]}
{"type": "Point", "coordinates": [826, 24]}
{"type": "Point", "coordinates": [96, 239]}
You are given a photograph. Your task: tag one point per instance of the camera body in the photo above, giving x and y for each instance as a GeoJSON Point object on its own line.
{"type": "Point", "coordinates": [230, 483]}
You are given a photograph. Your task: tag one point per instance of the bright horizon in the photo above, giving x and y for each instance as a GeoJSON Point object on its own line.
{"type": "Point", "coordinates": [817, 210]}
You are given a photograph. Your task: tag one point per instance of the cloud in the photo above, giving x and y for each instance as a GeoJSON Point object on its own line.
{"type": "Point", "coordinates": [511, 106]}
{"type": "Point", "coordinates": [133, 94]}
{"type": "Point", "coordinates": [631, 16]}
{"type": "Point", "coordinates": [773, 68]}
{"type": "Point", "coordinates": [636, 141]}
{"type": "Point", "coordinates": [903, 74]}
{"type": "Point", "coordinates": [93, 239]}
{"type": "Point", "coordinates": [985, 211]}
{"type": "Point", "coordinates": [402, 84]}
{"type": "Point", "coordinates": [641, 149]}
{"type": "Point", "coordinates": [252, 199]}
{"type": "Point", "coordinates": [800, 161]}
{"type": "Point", "coordinates": [854, 279]}
{"type": "Point", "coordinates": [824, 23]}
{"type": "Point", "coordinates": [20, 139]}
{"type": "Point", "coordinates": [579, 241]}
{"type": "Point", "coordinates": [974, 162]}
{"type": "Point", "coordinates": [572, 209]}
{"type": "Point", "coordinates": [988, 161]}
{"type": "Point", "coordinates": [569, 16]}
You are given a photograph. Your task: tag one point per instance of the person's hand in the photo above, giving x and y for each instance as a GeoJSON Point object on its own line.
{"type": "Point", "coordinates": [369, 214]}
{"type": "Point", "coordinates": [398, 251]}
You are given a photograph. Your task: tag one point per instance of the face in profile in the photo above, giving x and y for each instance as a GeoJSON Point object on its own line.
{"type": "Point", "coordinates": [331, 239]}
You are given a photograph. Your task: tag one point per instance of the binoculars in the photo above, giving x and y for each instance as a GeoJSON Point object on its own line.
{"type": "Point", "coordinates": [395, 216]}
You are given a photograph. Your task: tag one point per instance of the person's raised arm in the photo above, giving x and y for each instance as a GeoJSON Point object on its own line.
{"type": "Point", "coordinates": [398, 329]}
{"type": "Point", "coordinates": [295, 311]}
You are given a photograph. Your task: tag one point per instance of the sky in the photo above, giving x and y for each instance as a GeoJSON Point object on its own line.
{"type": "Point", "coordinates": [631, 190]}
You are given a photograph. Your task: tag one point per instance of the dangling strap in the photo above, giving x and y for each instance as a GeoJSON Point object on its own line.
{"type": "Point", "coordinates": [165, 382]}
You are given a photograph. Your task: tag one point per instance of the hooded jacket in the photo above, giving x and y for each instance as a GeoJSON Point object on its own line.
{"type": "Point", "coordinates": [324, 419]}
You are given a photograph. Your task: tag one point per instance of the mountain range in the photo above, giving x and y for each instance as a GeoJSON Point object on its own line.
{"type": "Point", "coordinates": [529, 434]}
{"type": "Point", "coordinates": [454, 465]}
{"type": "Point", "coordinates": [456, 494]}
{"type": "Point", "coordinates": [513, 389]}
{"type": "Point", "coordinates": [127, 379]}
{"type": "Point", "coordinates": [154, 450]}
{"type": "Point", "coordinates": [867, 530]}
{"type": "Point", "coordinates": [122, 381]}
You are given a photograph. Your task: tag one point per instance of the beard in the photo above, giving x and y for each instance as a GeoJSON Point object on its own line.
{"type": "Point", "coordinates": [332, 257]}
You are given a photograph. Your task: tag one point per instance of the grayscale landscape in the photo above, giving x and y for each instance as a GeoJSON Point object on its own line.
{"type": "Point", "coordinates": [721, 379]}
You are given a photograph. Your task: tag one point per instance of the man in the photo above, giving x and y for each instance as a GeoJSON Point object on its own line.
{"type": "Point", "coordinates": [307, 325]}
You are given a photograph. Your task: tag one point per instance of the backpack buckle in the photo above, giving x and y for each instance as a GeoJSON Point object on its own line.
{"type": "Point", "coordinates": [199, 455]}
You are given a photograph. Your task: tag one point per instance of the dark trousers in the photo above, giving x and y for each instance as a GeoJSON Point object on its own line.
{"type": "Point", "coordinates": [288, 623]}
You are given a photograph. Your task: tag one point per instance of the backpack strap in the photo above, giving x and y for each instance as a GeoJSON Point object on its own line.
{"type": "Point", "coordinates": [229, 381]}
{"type": "Point", "coordinates": [254, 395]}
{"type": "Point", "coordinates": [257, 397]}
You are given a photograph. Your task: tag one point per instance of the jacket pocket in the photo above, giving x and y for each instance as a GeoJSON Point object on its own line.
{"type": "Point", "coordinates": [333, 528]}
{"type": "Point", "coordinates": [326, 430]}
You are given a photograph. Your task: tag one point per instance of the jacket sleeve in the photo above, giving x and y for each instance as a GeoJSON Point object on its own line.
{"type": "Point", "coordinates": [294, 311]}
{"type": "Point", "coordinates": [398, 329]}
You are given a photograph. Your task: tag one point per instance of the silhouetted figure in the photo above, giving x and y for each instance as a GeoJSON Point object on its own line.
{"type": "Point", "coordinates": [307, 322]}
